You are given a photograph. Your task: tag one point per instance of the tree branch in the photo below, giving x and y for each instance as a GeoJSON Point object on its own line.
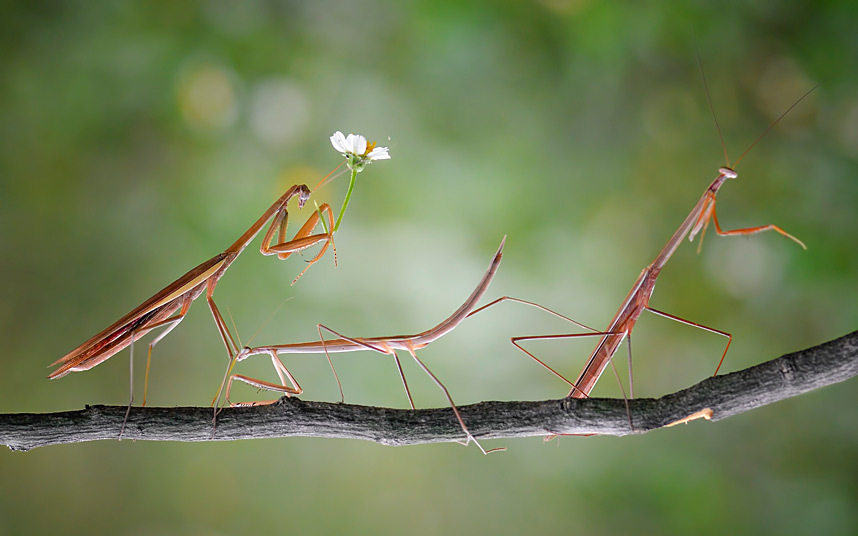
{"type": "Point", "coordinates": [727, 395]}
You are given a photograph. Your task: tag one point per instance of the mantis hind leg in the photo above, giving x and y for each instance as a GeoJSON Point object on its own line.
{"type": "Point", "coordinates": [359, 342]}
{"type": "Point", "coordinates": [515, 340]}
{"type": "Point", "coordinates": [404, 381]}
{"type": "Point", "coordinates": [575, 391]}
{"type": "Point", "coordinates": [382, 349]}
{"type": "Point", "coordinates": [700, 326]}
{"type": "Point", "coordinates": [171, 322]}
{"type": "Point", "coordinates": [469, 436]}
{"type": "Point", "coordinates": [131, 381]}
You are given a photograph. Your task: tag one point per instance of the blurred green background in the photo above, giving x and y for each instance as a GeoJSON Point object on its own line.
{"type": "Point", "coordinates": [139, 139]}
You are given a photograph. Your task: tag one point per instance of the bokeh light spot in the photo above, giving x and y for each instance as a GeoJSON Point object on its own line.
{"type": "Point", "coordinates": [207, 97]}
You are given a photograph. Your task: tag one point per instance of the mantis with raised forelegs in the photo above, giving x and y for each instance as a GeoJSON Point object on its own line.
{"type": "Point", "coordinates": [168, 307]}
{"type": "Point", "coordinates": [358, 153]}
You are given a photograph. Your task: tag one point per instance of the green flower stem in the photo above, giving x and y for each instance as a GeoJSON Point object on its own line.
{"type": "Point", "coordinates": [346, 201]}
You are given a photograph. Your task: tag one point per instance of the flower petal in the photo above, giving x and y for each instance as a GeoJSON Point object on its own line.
{"type": "Point", "coordinates": [350, 143]}
{"type": "Point", "coordinates": [360, 145]}
{"type": "Point", "coordinates": [339, 142]}
{"type": "Point", "coordinates": [379, 153]}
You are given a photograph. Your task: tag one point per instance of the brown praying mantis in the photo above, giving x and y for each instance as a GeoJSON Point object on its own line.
{"type": "Point", "coordinates": [637, 300]}
{"type": "Point", "coordinates": [384, 345]}
{"type": "Point", "coordinates": [169, 306]}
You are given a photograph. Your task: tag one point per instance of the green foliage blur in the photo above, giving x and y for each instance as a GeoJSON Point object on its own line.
{"type": "Point", "coordinates": [141, 138]}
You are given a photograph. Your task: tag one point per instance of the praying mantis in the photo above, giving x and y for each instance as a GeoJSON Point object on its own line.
{"type": "Point", "coordinates": [637, 300]}
{"type": "Point", "coordinates": [169, 306]}
{"type": "Point", "coordinates": [384, 345]}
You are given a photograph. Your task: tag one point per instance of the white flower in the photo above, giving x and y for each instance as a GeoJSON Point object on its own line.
{"type": "Point", "coordinates": [357, 150]}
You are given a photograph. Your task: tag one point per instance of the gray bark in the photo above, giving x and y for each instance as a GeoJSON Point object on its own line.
{"type": "Point", "coordinates": [726, 395]}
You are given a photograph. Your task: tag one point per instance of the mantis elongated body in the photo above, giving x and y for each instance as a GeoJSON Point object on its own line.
{"type": "Point", "coordinates": [384, 345]}
{"type": "Point", "coordinates": [168, 307]}
{"type": "Point", "coordinates": [638, 297]}
{"type": "Point", "coordinates": [637, 300]}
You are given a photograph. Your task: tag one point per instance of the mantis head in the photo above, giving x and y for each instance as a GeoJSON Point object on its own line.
{"type": "Point", "coordinates": [727, 173]}
{"type": "Point", "coordinates": [303, 195]}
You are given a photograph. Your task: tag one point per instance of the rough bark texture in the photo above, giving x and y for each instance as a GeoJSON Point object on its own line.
{"type": "Point", "coordinates": [726, 395]}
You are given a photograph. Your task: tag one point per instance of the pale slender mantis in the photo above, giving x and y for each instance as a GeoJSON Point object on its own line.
{"type": "Point", "coordinates": [638, 297]}
{"type": "Point", "coordinates": [384, 345]}
{"type": "Point", "coordinates": [161, 309]}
